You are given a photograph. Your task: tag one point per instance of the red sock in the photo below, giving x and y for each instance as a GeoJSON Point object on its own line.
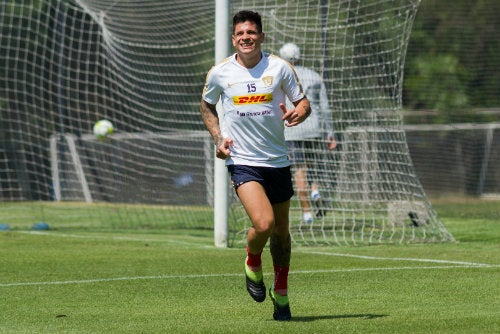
{"type": "Point", "coordinates": [281, 280]}
{"type": "Point", "coordinates": [254, 261]}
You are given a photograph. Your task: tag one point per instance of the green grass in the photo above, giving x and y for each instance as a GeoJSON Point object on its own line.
{"type": "Point", "coordinates": [175, 281]}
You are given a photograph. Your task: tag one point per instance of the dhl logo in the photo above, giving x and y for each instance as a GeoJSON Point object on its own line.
{"type": "Point", "coordinates": [253, 99]}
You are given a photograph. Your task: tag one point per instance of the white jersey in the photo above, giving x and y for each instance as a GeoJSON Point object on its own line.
{"type": "Point", "coordinates": [250, 99]}
{"type": "Point", "coordinates": [319, 124]}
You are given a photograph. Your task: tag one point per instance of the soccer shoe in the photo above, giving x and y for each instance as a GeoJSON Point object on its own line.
{"type": "Point", "coordinates": [307, 218]}
{"type": "Point", "coordinates": [320, 211]}
{"type": "Point", "coordinates": [281, 306]}
{"type": "Point", "coordinates": [255, 285]}
{"type": "Point", "coordinates": [319, 204]}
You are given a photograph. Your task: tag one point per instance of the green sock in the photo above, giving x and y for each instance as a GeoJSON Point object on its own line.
{"type": "Point", "coordinates": [280, 300]}
{"type": "Point", "coordinates": [255, 276]}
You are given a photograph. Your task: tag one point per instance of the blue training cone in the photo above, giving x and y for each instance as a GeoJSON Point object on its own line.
{"type": "Point", "coordinates": [40, 226]}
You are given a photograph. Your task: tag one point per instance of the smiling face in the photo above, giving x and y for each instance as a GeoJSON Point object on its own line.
{"type": "Point", "coordinates": [247, 40]}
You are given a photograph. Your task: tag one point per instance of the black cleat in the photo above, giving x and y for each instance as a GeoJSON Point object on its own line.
{"type": "Point", "coordinates": [257, 290]}
{"type": "Point", "coordinates": [281, 312]}
{"type": "Point", "coordinates": [320, 211]}
{"type": "Point", "coordinates": [415, 221]}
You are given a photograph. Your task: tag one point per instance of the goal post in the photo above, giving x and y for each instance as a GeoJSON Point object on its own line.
{"type": "Point", "coordinates": [76, 163]}
{"type": "Point", "coordinates": [221, 182]}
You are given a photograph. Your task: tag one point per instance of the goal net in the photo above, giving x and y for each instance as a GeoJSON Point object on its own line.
{"type": "Point", "coordinates": [142, 65]}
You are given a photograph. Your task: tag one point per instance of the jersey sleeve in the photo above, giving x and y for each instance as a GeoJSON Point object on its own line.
{"type": "Point", "coordinates": [291, 84]}
{"type": "Point", "coordinates": [212, 89]}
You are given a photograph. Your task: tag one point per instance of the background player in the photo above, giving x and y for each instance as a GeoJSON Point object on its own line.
{"type": "Point", "coordinates": [306, 142]}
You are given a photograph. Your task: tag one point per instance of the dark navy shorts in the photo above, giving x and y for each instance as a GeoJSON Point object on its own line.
{"type": "Point", "coordinates": [277, 182]}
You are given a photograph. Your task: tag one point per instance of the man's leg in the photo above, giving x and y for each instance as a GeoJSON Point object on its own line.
{"type": "Point", "coordinates": [318, 201]}
{"type": "Point", "coordinates": [280, 238]}
{"type": "Point", "coordinates": [280, 246]}
{"type": "Point", "coordinates": [259, 210]}
{"type": "Point", "coordinates": [300, 179]}
{"type": "Point", "coordinates": [254, 199]}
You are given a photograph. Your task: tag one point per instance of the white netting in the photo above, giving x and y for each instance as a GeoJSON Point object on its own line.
{"type": "Point", "coordinates": [142, 64]}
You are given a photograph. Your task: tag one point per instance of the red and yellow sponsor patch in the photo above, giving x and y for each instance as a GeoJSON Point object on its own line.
{"type": "Point", "coordinates": [252, 99]}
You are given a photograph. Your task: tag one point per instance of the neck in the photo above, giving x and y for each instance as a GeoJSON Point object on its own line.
{"type": "Point", "coordinates": [248, 60]}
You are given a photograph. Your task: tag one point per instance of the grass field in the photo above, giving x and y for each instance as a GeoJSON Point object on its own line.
{"type": "Point", "coordinates": [123, 281]}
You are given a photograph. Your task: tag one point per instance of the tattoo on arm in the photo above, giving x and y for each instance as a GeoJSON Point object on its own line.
{"type": "Point", "coordinates": [308, 110]}
{"type": "Point", "coordinates": [211, 121]}
{"type": "Point", "coordinates": [304, 105]}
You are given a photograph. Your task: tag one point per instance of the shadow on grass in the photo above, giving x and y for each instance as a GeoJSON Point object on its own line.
{"type": "Point", "coordinates": [367, 316]}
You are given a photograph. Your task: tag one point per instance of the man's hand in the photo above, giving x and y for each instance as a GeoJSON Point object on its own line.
{"type": "Point", "coordinates": [332, 143]}
{"type": "Point", "coordinates": [211, 121]}
{"type": "Point", "coordinates": [295, 116]}
{"type": "Point", "coordinates": [223, 151]}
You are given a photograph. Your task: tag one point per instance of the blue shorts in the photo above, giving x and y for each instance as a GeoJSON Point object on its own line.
{"type": "Point", "coordinates": [277, 182]}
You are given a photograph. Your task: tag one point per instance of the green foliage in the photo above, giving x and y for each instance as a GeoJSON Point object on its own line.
{"type": "Point", "coordinates": [442, 77]}
{"type": "Point", "coordinates": [453, 57]}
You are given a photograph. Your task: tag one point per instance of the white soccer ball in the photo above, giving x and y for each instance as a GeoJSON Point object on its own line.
{"type": "Point", "coordinates": [103, 128]}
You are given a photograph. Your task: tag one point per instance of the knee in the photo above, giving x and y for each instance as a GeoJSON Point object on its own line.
{"type": "Point", "coordinates": [264, 227]}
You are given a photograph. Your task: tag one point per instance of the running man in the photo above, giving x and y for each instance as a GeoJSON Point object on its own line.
{"type": "Point", "coordinates": [253, 87]}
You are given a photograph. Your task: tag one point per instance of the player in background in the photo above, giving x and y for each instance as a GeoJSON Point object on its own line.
{"type": "Point", "coordinates": [306, 142]}
{"type": "Point", "coordinates": [253, 87]}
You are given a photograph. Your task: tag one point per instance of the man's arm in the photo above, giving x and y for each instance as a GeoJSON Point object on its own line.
{"type": "Point", "coordinates": [297, 115]}
{"type": "Point", "coordinates": [211, 120]}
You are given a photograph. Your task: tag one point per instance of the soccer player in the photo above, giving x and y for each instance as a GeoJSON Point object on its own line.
{"type": "Point", "coordinates": [253, 86]}
{"type": "Point", "coordinates": [306, 142]}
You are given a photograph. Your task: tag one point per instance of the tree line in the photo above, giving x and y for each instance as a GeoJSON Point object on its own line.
{"type": "Point", "coordinates": [453, 59]}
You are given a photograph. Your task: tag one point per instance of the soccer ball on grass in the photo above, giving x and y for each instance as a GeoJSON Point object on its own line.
{"type": "Point", "coordinates": [103, 128]}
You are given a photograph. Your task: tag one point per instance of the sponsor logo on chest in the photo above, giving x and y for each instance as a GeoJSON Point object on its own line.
{"type": "Point", "coordinates": [252, 99]}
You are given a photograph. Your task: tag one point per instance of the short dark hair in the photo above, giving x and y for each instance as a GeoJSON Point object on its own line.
{"type": "Point", "coordinates": [248, 15]}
